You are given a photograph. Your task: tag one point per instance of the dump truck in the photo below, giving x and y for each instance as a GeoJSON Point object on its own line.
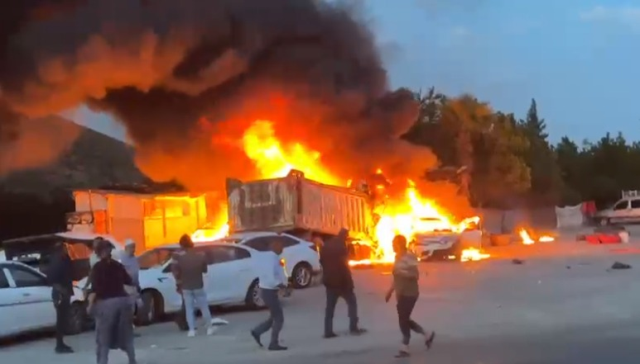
{"type": "Point", "coordinates": [300, 206]}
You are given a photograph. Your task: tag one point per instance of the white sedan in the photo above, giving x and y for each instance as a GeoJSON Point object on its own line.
{"type": "Point", "coordinates": [301, 258]}
{"type": "Point", "coordinates": [231, 279]}
{"type": "Point", "coordinates": [26, 304]}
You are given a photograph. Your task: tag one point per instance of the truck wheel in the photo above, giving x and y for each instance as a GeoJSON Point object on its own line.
{"type": "Point", "coordinates": [77, 319]}
{"type": "Point", "coordinates": [302, 275]}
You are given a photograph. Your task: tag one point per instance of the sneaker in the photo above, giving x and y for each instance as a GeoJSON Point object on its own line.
{"type": "Point", "coordinates": [211, 330]}
{"type": "Point", "coordinates": [330, 335]}
{"type": "Point", "coordinates": [256, 337]}
{"type": "Point", "coordinates": [217, 321]}
{"type": "Point", "coordinates": [403, 352]}
{"type": "Point", "coordinates": [191, 333]}
{"type": "Point", "coordinates": [277, 347]}
{"type": "Point", "coordinates": [429, 340]}
{"type": "Point", "coordinates": [64, 349]}
{"type": "Point", "coordinates": [358, 331]}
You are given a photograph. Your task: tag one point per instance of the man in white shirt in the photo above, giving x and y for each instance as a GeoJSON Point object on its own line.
{"type": "Point", "coordinates": [93, 259]}
{"type": "Point", "coordinates": [271, 279]}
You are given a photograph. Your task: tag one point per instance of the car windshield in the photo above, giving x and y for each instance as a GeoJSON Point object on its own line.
{"type": "Point", "coordinates": [155, 258]}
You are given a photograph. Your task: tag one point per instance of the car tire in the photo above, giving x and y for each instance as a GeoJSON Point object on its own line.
{"type": "Point", "coordinates": [78, 319]}
{"type": "Point", "coordinates": [302, 275]}
{"type": "Point", "coordinates": [254, 299]}
{"type": "Point", "coordinates": [151, 310]}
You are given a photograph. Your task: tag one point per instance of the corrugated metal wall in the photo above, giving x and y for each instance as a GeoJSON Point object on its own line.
{"type": "Point", "coordinates": [328, 210]}
{"type": "Point", "coordinates": [263, 205]}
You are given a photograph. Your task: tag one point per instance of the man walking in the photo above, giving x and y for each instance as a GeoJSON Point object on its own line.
{"type": "Point", "coordinates": [131, 265]}
{"type": "Point", "coordinates": [271, 279]}
{"type": "Point", "coordinates": [336, 276]}
{"type": "Point", "coordinates": [60, 275]}
{"type": "Point", "coordinates": [189, 267]}
{"type": "Point", "coordinates": [93, 259]}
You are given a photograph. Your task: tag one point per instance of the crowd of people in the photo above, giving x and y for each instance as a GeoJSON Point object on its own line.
{"type": "Point", "coordinates": [112, 292]}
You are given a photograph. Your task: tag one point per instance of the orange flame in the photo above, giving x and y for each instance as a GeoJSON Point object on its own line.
{"type": "Point", "coordinates": [528, 240]}
{"type": "Point", "coordinates": [408, 215]}
{"type": "Point", "coordinates": [473, 255]}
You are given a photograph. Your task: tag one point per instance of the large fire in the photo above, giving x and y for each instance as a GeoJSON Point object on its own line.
{"type": "Point", "coordinates": [408, 215]}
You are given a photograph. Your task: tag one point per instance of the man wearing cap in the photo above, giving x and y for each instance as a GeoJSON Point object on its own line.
{"type": "Point", "coordinates": [111, 306]}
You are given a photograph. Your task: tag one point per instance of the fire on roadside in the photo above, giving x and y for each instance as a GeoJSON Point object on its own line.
{"type": "Point", "coordinates": [473, 255]}
{"type": "Point", "coordinates": [527, 238]}
{"type": "Point", "coordinates": [408, 215]}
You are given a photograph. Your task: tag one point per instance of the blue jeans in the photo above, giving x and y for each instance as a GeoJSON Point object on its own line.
{"type": "Point", "coordinates": [193, 299]}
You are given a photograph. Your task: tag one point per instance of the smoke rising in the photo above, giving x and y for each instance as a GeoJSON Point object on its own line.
{"type": "Point", "coordinates": [187, 77]}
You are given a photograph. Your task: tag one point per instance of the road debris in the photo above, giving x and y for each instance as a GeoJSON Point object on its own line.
{"type": "Point", "coordinates": [618, 266]}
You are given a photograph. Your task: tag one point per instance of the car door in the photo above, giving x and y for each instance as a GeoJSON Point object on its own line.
{"type": "Point", "coordinates": [635, 210]}
{"type": "Point", "coordinates": [228, 271]}
{"type": "Point", "coordinates": [288, 255]}
{"type": "Point", "coordinates": [11, 315]}
{"type": "Point", "coordinates": [156, 273]}
{"type": "Point", "coordinates": [33, 295]}
{"type": "Point", "coordinates": [620, 211]}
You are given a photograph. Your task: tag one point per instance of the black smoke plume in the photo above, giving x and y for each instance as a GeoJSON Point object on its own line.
{"type": "Point", "coordinates": [186, 77]}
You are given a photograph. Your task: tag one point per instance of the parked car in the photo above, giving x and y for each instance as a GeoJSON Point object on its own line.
{"type": "Point", "coordinates": [26, 304]}
{"type": "Point", "coordinates": [301, 258]}
{"type": "Point", "coordinates": [232, 279]}
{"type": "Point", "coordinates": [36, 251]}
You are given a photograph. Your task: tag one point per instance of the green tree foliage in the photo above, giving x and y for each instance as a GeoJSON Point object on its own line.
{"type": "Point", "coordinates": [498, 161]}
{"type": "Point", "coordinates": [484, 149]}
{"type": "Point", "coordinates": [598, 171]}
{"type": "Point", "coordinates": [546, 179]}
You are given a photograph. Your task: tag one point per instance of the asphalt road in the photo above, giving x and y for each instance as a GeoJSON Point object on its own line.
{"type": "Point", "coordinates": [563, 305]}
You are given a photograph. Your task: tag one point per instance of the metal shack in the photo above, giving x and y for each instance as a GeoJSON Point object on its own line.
{"type": "Point", "coordinates": [297, 204]}
{"type": "Point", "coordinates": [151, 220]}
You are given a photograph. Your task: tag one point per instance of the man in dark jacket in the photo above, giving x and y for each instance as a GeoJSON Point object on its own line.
{"type": "Point", "coordinates": [60, 275]}
{"type": "Point", "coordinates": [336, 276]}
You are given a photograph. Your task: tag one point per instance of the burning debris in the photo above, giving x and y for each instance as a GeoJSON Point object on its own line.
{"type": "Point", "coordinates": [529, 238]}
{"type": "Point", "coordinates": [473, 255]}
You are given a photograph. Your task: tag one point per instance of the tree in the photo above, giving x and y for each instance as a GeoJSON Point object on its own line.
{"type": "Point", "coordinates": [500, 173]}
{"type": "Point", "coordinates": [570, 163]}
{"type": "Point", "coordinates": [546, 179]}
{"type": "Point", "coordinates": [482, 148]}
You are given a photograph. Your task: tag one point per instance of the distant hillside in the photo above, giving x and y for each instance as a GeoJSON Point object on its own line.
{"type": "Point", "coordinates": [55, 153]}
